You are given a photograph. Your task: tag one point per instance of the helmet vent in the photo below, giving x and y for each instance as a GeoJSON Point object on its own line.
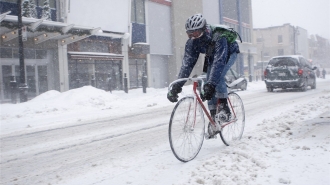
{"type": "Point", "coordinates": [195, 22]}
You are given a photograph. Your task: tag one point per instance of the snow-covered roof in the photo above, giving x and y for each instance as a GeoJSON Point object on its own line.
{"type": "Point", "coordinates": [28, 20]}
{"type": "Point", "coordinates": [65, 27]}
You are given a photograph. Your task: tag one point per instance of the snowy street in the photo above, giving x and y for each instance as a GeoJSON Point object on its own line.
{"type": "Point", "coordinates": [123, 139]}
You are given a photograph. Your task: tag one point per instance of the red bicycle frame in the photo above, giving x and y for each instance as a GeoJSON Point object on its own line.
{"type": "Point", "coordinates": [206, 111]}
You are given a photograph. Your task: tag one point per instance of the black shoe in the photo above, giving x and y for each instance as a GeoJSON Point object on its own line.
{"type": "Point", "coordinates": [222, 117]}
{"type": "Point", "coordinates": [226, 110]}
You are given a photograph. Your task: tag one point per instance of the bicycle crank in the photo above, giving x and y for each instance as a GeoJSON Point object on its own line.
{"type": "Point", "coordinates": [221, 117]}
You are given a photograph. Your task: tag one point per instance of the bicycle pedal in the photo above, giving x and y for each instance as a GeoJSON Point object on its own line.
{"type": "Point", "coordinates": [207, 136]}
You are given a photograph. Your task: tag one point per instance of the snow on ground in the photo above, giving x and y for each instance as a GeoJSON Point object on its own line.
{"type": "Point", "coordinates": [285, 149]}
{"type": "Point", "coordinates": [86, 103]}
{"type": "Point", "coordinates": [297, 140]}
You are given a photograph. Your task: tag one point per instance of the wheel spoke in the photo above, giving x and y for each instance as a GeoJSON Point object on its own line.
{"type": "Point", "coordinates": [186, 141]}
{"type": "Point", "coordinates": [234, 131]}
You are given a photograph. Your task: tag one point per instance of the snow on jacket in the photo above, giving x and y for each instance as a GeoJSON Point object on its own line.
{"type": "Point", "coordinates": [217, 60]}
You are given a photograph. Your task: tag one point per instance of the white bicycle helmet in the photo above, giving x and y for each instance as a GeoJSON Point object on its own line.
{"type": "Point", "coordinates": [195, 22]}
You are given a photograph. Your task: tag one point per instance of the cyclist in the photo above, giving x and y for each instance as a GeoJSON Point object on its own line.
{"type": "Point", "coordinates": [221, 57]}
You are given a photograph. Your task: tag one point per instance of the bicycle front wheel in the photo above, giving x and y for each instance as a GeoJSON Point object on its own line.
{"type": "Point", "coordinates": [234, 131]}
{"type": "Point", "coordinates": [186, 129]}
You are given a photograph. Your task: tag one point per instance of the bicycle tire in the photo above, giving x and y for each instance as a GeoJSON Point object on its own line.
{"type": "Point", "coordinates": [234, 131]}
{"type": "Point", "coordinates": [186, 142]}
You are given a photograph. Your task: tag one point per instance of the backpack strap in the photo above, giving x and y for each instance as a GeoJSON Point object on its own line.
{"type": "Point", "coordinates": [232, 29]}
{"type": "Point", "coordinates": [216, 37]}
{"type": "Point", "coordinates": [210, 49]}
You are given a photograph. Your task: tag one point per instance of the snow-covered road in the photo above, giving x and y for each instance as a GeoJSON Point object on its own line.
{"type": "Point", "coordinates": [285, 142]}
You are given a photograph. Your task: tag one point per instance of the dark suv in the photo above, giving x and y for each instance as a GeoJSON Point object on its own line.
{"type": "Point", "coordinates": [292, 71]}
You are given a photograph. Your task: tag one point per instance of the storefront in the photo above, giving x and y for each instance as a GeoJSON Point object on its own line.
{"type": "Point", "coordinates": [35, 70]}
{"type": "Point", "coordinates": [101, 70]}
{"type": "Point", "coordinates": [50, 64]}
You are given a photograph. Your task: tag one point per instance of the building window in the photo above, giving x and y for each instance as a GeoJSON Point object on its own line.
{"type": "Point", "coordinates": [6, 53]}
{"type": "Point", "coordinates": [29, 54]}
{"type": "Point", "coordinates": [245, 34]}
{"type": "Point", "coordinates": [249, 35]}
{"type": "Point", "coordinates": [280, 52]}
{"type": "Point", "coordinates": [9, 1]}
{"type": "Point", "coordinates": [280, 39]}
{"type": "Point", "coordinates": [52, 3]}
{"type": "Point", "coordinates": [138, 11]}
{"type": "Point", "coordinates": [41, 54]}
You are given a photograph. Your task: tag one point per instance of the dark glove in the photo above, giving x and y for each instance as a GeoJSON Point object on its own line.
{"type": "Point", "coordinates": [172, 95]}
{"type": "Point", "coordinates": [209, 91]}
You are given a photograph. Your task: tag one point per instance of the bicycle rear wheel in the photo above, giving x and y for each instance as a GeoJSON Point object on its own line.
{"type": "Point", "coordinates": [186, 129]}
{"type": "Point", "coordinates": [234, 131]}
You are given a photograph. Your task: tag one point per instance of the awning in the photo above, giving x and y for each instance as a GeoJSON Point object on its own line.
{"type": "Point", "coordinates": [94, 56]}
{"type": "Point", "coordinates": [42, 30]}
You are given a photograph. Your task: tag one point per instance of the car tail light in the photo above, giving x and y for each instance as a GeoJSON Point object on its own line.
{"type": "Point", "coordinates": [300, 72]}
{"type": "Point", "coordinates": [265, 73]}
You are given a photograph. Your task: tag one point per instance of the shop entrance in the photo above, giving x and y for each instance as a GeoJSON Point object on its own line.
{"type": "Point", "coordinates": [136, 69]}
{"type": "Point", "coordinates": [36, 79]}
{"type": "Point", "coordinates": [102, 74]}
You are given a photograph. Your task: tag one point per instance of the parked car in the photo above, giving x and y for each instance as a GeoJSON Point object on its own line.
{"type": "Point", "coordinates": [233, 80]}
{"type": "Point", "coordinates": [292, 71]}
{"type": "Point", "coordinates": [236, 81]}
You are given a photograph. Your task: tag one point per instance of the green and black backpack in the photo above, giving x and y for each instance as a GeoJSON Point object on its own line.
{"type": "Point", "coordinates": [219, 31]}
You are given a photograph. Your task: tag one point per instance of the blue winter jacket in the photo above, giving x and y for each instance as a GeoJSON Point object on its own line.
{"type": "Point", "coordinates": [217, 60]}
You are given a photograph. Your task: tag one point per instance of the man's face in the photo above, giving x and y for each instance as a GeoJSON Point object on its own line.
{"type": "Point", "coordinates": [194, 34]}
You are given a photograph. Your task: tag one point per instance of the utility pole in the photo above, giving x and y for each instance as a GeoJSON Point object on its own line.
{"type": "Point", "coordinates": [262, 68]}
{"type": "Point", "coordinates": [240, 61]}
{"type": "Point", "coordinates": [250, 66]}
{"type": "Point", "coordinates": [23, 88]}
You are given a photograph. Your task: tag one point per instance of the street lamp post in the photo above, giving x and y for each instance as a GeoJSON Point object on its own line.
{"type": "Point", "coordinates": [23, 88]}
{"type": "Point", "coordinates": [250, 66]}
{"type": "Point", "coordinates": [262, 67]}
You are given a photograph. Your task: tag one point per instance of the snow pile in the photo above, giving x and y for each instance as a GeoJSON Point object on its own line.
{"type": "Point", "coordinates": [82, 104]}
{"type": "Point", "coordinates": [267, 155]}
{"type": "Point", "coordinates": [87, 96]}
{"type": "Point", "coordinates": [55, 102]}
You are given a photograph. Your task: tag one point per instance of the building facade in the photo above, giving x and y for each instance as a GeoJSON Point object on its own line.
{"type": "Point", "coordinates": [123, 42]}
{"type": "Point", "coordinates": [60, 53]}
{"type": "Point", "coordinates": [281, 40]}
{"type": "Point", "coordinates": [319, 51]}
{"type": "Point", "coordinates": [40, 65]}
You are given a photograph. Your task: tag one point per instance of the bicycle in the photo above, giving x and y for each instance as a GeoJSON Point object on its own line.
{"type": "Point", "coordinates": [187, 123]}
